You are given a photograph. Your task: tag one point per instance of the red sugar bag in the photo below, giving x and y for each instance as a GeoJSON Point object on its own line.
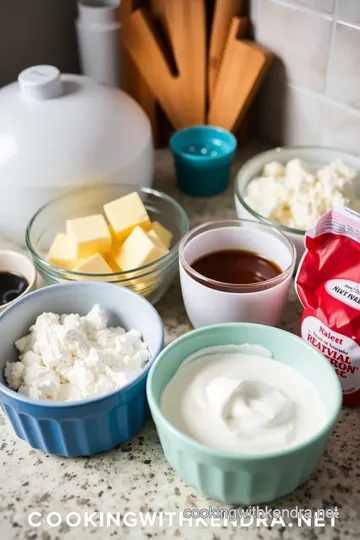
{"type": "Point", "coordinates": [328, 286]}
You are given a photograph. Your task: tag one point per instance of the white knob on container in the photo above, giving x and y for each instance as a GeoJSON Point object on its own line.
{"type": "Point", "coordinates": [40, 82]}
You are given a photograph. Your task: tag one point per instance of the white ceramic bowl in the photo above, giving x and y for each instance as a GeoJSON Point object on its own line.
{"type": "Point", "coordinates": [61, 131]}
{"type": "Point", "coordinates": [208, 301]}
{"type": "Point", "coordinates": [17, 263]}
{"type": "Point", "coordinates": [317, 157]}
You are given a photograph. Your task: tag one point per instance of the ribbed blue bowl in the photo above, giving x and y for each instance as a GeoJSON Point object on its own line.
{"type": "Point", "coordinates": [79, 428]}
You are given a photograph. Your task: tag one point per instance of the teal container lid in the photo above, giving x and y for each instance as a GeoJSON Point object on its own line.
{"type": "Point", "coordinates": [203, 156]}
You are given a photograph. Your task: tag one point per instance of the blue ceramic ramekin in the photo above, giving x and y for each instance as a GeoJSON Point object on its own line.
{"type": "Point", "coordinates": [203, 156]}
{"type": "Point", "coordinates": [80, 427]}
{"type": "Point", "coordinates": [244, 478]}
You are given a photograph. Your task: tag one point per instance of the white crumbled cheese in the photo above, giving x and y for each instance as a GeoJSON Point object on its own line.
{"type": "Point", "coordinates": [297, 196]}
{"type": "Point", "coordinates": [68, 357]}
{"type": "Point", "coordinates": [274, 168]}
{"type": "Point", "coordinates": [14, 374]}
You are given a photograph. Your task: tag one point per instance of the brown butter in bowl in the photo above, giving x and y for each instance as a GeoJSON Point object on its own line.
{"type": "Point", "coordinates": [236, 266]}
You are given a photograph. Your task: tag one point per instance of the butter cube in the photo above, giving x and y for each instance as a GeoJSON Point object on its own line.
{"type": "Point", "coordinates": [164, 235]}
{"type": "Point", "coordinates": [125, 214]}
{"type": "Point", "coordinates": [111, 262]}
{"type": "Point", "coordinates": [89, 235]}
{"type": "Point", "coordinates": [95, 264]}
{"type": "Point", "coordinates": [156, 239]}
{"type": "Point", "coordinates": [62, 253]}
{"type": "Point", "coordinates": [124, 280]}
{"type": "Point", "coordinates": [115, 247]}
{"type": "Point", "coordinates": [138, 249]}
{"type": "Point", "coordinates": [112, 259]}
{"type": "Point", "coordinates": [112, 232]}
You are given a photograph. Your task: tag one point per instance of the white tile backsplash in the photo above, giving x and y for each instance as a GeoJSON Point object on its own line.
{"type": "Point", "coordinates": [300, 39]}
{"type": "Point", "coordinates": [312, 95]}
{"type": "Point", "coordinates": [270, 104]}
{"type": "Point", "coordinates": [321, 5]}
{"type": "Point", "coordinates": [278, 110]}
{"type": "Point", "coordinates": [344, 66]}
{"type": "Point", "coordinates": [341, 128]}
{"type": "Point", "coordinates": [308, 108]}
{"type": "Point", "coordinates": [349, 11]}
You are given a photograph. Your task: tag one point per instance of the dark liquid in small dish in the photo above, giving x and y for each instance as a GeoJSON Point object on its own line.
{"type": "Point", "coordinates": [236, 266]}
{"type": "Point", "coordinates": [11, 286]}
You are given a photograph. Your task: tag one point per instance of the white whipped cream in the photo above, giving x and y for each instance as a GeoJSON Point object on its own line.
{"type": "Point", "coordinates": [239, 399]}
{"type": "Point", "coordinates": [297, 196]}
{"type": "Point", "coordinates": [68, 357]}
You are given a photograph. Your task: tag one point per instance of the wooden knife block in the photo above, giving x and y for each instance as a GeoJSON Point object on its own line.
{"type": "Point", "coordinates": [138, 89]}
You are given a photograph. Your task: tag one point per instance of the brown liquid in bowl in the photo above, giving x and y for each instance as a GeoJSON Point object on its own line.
{"type": "Point", "coordinates": [236, 266]}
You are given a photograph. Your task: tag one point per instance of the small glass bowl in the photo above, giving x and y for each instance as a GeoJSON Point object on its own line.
{"type": "Point", "coordinates": [151, 280]}
{"type": "Point", "coordinates": [316, 156]}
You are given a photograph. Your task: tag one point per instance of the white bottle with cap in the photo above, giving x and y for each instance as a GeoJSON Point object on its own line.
{"type": "Point", "coordinates": [98, 34]}
{"type": "Point", "coordinates": [61, 131]}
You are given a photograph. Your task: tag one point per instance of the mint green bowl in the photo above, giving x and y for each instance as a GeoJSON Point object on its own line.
{"type": "Point", "coordinates": [239, 478]}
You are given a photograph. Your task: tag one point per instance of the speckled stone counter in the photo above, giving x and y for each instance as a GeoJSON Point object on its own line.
{"type": "Point", "coordinates": [135, 476]}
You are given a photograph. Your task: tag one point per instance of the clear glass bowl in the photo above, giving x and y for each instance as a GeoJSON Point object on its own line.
{"type": "Point", "coordinates": [316, 156]}
{"type": "Point", "coordinates": [151, 280]}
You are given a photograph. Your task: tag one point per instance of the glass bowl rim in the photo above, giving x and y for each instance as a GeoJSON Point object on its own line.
{"type": "Point", "coordinates": [160, 263]}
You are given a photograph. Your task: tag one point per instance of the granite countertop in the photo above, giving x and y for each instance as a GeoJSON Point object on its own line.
{"type": "Point", "coordinates": [135, 476]}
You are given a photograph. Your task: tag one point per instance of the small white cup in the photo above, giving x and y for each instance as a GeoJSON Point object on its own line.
{"type": "Point", "coordinates": [208, 301]}
{"type": "Point", "coordinates": [17, 263]}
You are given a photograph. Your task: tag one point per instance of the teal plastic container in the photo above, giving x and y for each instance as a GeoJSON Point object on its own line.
{"type": "Point", "coordinates": [240, 478]}
{"type": "Point", "coordinates": [203, 156]}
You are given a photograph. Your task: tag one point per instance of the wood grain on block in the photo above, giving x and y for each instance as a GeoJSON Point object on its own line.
{"type": "Point", "coordinates": [181, 96]}
{"type": "Point", "coordinates": [135, 85]}
{"type": "Point", "coordinates": [242, 69]}
{"type": "Point", "coordinates": [158, 9]}
{"type": "Point", "coordinates": [187, 30]}
{"type": "Point", "coordinates": [224, 12]}
{"type": "Point", "coordinates": [149, 56]}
